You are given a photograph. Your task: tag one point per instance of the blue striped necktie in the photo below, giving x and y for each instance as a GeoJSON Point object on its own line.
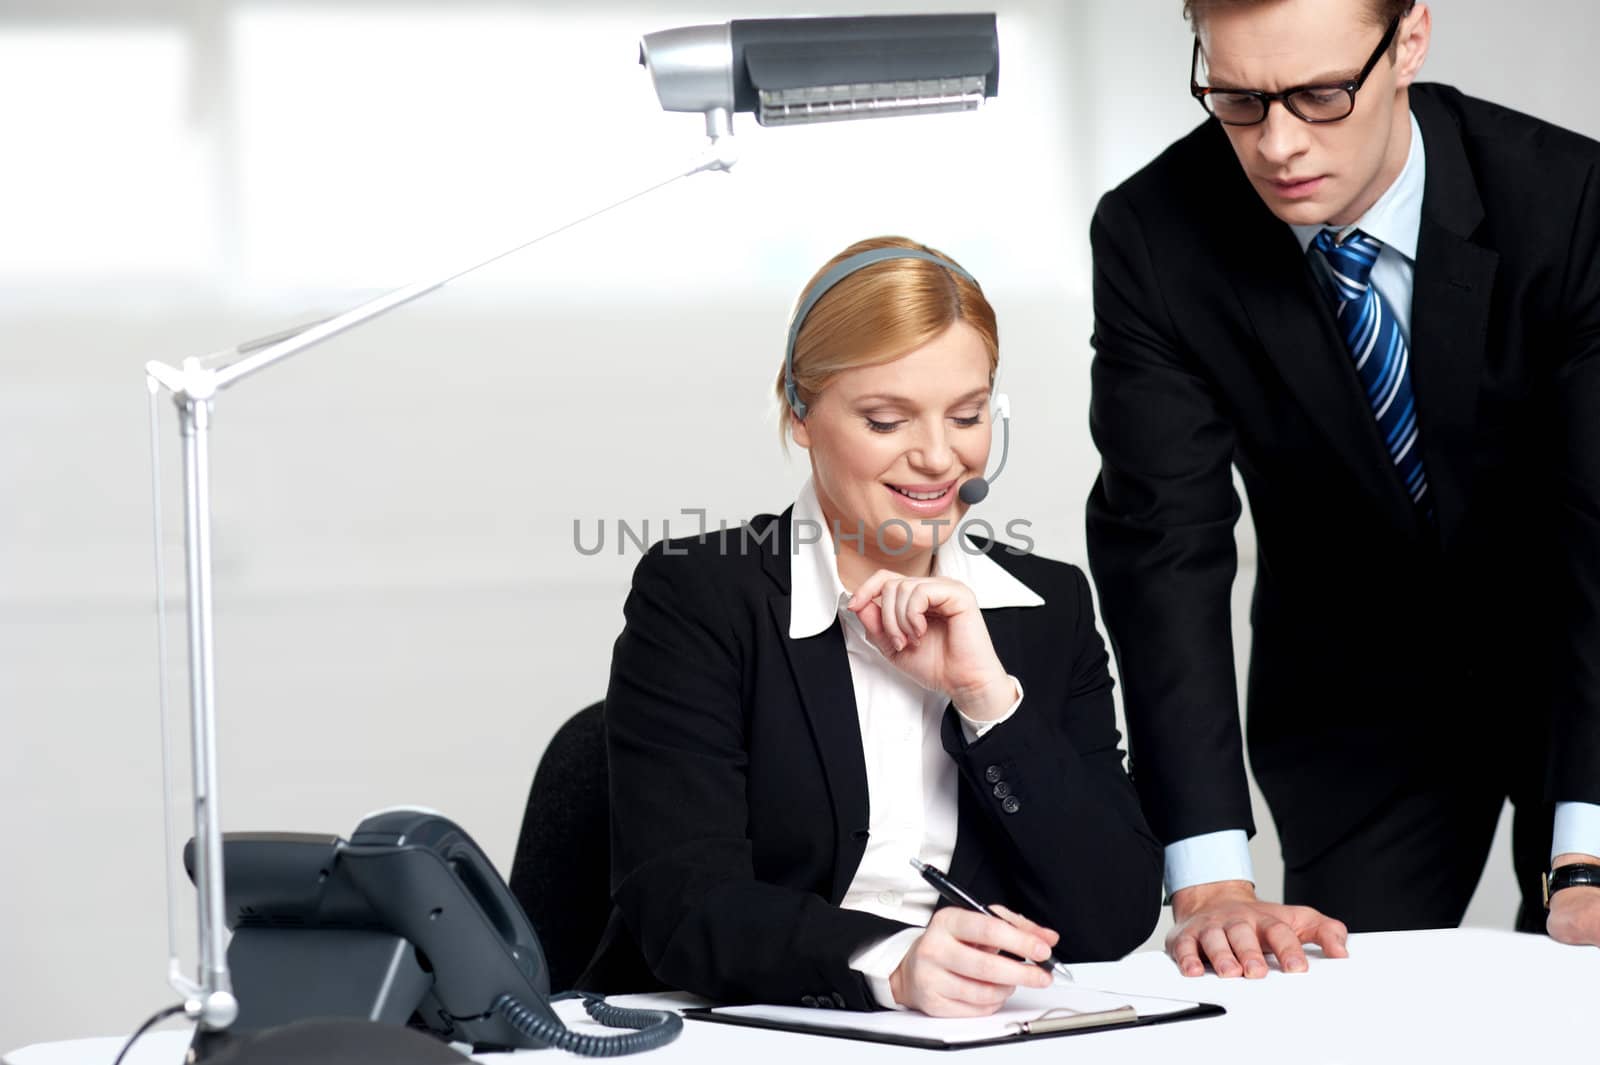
{"type": "Point", "coordinates": [1372, 333]}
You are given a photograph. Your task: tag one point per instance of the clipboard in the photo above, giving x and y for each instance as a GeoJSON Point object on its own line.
{"type": "Point", "coordinates": [1012, 1025]}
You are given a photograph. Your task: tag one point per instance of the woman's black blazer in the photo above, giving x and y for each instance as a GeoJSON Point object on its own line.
{"type": "Point", "coordinates": [739, 787]}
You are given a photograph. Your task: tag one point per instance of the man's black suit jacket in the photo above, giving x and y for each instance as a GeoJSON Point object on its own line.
{"type": "Point", "coordinates": [1387, 648]}
{"type": "Point", "coordinates": [739, 789]}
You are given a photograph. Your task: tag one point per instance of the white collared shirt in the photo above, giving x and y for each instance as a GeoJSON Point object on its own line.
{"type": "Point", "coordinates": [1395, 221]}
{"type": "Point", "coordinates": [911, 780]}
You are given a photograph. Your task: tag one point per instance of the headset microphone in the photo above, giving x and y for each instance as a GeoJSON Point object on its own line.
{"type": "Point", "coordinates": [977, 489]}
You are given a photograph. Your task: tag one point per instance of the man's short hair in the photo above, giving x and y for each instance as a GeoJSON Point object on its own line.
{"type": "Point", "coordinates": [1381, 12]}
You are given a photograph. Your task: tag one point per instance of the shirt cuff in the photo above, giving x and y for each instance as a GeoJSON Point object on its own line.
{"type": "Point", "coordinates": [877, 960]}
{"type": "Point", "coordinates": [975, 730]}
{"type": "Point", "coordinates": [1577, 829]}
{"type": "Point", "coordinates": [1208, 858]}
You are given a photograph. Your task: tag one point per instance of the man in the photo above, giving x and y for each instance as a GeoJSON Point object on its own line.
{"type": "Point", "coordinates": [1380, 302]}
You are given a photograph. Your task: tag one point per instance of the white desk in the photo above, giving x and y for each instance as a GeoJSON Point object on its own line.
{"type": "Point", "coordinates": [1458, 996]}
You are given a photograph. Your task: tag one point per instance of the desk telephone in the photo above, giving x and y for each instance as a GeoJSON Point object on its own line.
{"type": "Point", "coordinates": [406, 922]}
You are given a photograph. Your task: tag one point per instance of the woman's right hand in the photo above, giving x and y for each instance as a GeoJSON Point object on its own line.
{"type": "Point", "coordinates": [954, 968]}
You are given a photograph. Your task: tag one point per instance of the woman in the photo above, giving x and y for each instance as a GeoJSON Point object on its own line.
{"type": "Point", "coordinates": [799, 707]}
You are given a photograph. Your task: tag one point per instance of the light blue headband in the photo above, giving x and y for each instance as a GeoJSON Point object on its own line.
{"type": "Point", "coordinates": [836, 274]}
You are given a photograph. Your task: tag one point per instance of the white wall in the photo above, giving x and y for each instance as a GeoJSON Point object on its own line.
{"type": "Point", "coordinates": [401, 614]}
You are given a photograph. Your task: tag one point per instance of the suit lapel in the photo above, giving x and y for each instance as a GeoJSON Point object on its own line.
{"type": "Point", "coordinates": [821, 670]}
{"type": "Point", "coordinates": [1449, 315]}
{"type": "Point", "coordinates": [1295, 323]}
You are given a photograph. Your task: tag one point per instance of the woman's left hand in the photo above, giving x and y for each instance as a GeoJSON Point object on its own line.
{"type": "Point", "coordinates": [930, 628]}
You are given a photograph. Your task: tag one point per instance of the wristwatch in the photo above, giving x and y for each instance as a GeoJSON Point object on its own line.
{"type": "Point", "coordinates": [1578, 874]}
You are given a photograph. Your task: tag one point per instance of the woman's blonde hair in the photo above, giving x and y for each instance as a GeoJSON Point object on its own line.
{"type": "Point", "coordinates": [878, 314]}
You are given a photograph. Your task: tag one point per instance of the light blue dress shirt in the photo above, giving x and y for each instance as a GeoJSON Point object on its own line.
{"type": "Point", "coordinates": [1394, 221]}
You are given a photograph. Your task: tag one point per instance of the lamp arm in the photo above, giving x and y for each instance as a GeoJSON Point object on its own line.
{"type": "Point", "coordinates": [227, 367]}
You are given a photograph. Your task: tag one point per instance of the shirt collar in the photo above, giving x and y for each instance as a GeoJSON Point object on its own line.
{"type": "Point", "coordinates": [817, 595]}
{"type": "Point", "coordinates": [1395, 220]}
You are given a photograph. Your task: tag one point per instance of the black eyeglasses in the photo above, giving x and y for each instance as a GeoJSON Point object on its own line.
{"type": "Point", "coordinates": [1309, 103]}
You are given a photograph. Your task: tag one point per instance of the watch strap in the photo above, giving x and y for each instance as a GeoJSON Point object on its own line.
{"type": "Point", "coordinates": [1578, 874]}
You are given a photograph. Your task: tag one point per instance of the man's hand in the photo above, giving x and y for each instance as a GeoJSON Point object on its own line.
{"type": "Point", "coordinates": [1226, 924]}
{"type": "Point", "coordinates": [1575, 911]}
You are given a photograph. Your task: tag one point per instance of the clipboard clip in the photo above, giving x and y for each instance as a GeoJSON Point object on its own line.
{"type": "Point", "coordinates": [1061, 1018]}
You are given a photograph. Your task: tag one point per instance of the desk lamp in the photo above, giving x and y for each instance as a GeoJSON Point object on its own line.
{"type": "Point", "coordinates": [786, 72]}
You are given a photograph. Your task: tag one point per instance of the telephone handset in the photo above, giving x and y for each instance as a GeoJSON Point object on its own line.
{"type": "Point", "coordinates": [406, 922]}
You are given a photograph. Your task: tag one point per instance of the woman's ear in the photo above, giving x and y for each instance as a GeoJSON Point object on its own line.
{"type": "Point", "coordinates": [802, 435]}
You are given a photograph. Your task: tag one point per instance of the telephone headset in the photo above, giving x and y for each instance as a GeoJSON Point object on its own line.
{"type": "Point", "coordinates": [975, 489]}
{"type": "Point", "coordinates": [406, 922]}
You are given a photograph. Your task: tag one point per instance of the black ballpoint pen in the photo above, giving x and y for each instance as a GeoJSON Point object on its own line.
{"type": "Point", "coordinates": [961, 897]}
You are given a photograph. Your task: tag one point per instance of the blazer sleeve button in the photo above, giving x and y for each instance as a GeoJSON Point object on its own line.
{"type": "Point", "coordinates": [838, 1000]}
{"type": "Point", "coordinates": [1011, 805]}
{"type": "Point", "coordinates": [808, 1000]}
{"type": "Point", "coordinates": [1002, 790]}
{"type": "Point", "coordinates": [992, 774]}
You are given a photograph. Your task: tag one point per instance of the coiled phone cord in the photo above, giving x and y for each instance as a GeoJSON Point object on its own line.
{"type": "Point", "coordinates": [655, 1028]}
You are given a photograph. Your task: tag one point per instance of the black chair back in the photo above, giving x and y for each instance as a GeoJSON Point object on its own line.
{"type": "Point", "coordinates": [561, 871]}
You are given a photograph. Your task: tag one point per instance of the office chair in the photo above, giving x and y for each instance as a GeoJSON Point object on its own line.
{"type": "Point", "coordinates": [561, 871]}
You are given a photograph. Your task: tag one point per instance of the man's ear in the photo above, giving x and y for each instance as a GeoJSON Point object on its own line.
{"type": "Point", "coordinates": [802, 435]}
{"type": "Point", "coordinates": [1415, 31]}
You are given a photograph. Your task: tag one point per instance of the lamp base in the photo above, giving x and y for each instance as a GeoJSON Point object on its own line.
{"type": "Point", "coordinates": [338, 1041]}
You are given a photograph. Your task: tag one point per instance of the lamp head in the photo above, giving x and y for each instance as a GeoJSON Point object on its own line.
{"type": "Point", "coordinates": [791, 71]}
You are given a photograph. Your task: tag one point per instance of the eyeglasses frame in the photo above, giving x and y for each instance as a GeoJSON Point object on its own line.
{"type": "Point", "coordinates": [1200, 92]}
